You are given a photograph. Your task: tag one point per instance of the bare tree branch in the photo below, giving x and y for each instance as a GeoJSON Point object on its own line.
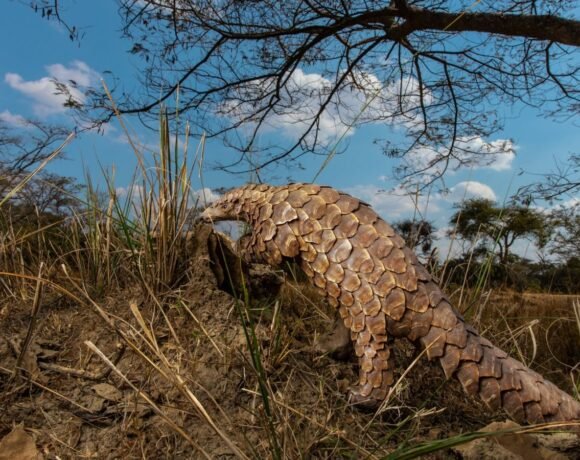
{"type": "Point", "coordinates": [541, 27]}
{"type": "Point", "coordinates": [304, 68]}
{"type": "Point", "coordinates": [24, 145]}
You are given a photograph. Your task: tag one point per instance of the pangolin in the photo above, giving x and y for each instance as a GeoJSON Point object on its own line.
{"type": "Point", "coordinates": [382, 293]}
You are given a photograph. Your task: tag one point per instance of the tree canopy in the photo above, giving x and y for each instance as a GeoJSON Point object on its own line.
{"type": "Point", "coordinates": [416, 233]}
{"type": "Point", "coordinates": [482, 219]}
{"type": "Point", "coordinates": [436, 69]}
{"type": "Point", "coordinates": [566, 241]}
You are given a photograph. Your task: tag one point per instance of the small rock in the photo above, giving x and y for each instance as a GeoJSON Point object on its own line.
{"type": "Point", "coordinates": [108, 392]}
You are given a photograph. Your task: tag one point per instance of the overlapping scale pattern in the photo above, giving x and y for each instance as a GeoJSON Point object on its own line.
{"type": "Point", "coordinates": [383, 293]}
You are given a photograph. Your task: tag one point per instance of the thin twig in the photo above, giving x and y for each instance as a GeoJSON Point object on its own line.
{"type": "Point", "coordinates": [84, 374]}
{"type": "Point", "coordinates": [45, 388]}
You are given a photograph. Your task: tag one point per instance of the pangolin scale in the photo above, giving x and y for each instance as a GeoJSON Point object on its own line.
{"type": "Point", "coordinates": [383, 293]}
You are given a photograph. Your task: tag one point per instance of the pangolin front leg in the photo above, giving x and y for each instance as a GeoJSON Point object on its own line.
{"type": "Point", "coordinates": [382, 293]}
{"type": "Point", "coordinates": [376, 366]}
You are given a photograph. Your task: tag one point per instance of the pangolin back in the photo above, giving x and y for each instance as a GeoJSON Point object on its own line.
{"type": "Point", "coordinates": [382, 292]}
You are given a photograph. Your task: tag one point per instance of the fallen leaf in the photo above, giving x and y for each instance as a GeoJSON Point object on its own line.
{"type": "Point", "coordinates": [18, 445]}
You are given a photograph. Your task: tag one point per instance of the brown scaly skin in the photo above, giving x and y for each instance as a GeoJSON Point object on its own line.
{"type": "Point", "coordinates": [382, 293]}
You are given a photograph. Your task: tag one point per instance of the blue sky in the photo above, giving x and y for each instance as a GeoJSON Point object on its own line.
{"type": "Point", "coordinates": [35, 50]}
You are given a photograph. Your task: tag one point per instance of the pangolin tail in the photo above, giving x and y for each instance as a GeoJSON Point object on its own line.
{"type": "Point", "coordinates": [500, 381]}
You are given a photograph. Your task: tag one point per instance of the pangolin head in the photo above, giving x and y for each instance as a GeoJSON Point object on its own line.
{"type": "Point", "coordinates": [228, 207]}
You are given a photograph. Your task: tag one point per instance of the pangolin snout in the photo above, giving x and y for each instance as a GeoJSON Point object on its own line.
{"type": "Point", "coordinates": [213, 214]}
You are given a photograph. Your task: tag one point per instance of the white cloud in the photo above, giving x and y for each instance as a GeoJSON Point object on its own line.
{"type": "Point", "coordinates": [12, 119]}
{"type": "Point", "coordinates": [205, 196]}
{"type": "Point", "coordinates": [471, 189]}
{"type": "Point", "coordinates": [136, 191]}
{"type": "Point", "coordinates": [394, 204]}
{"type": "Point", "coordinates": [443, 232]}
{"type": "Point", "coordinates": [474, 152]}
{"type": "Point", "coordinates": [76, 77]}
{"type": "Point", "coordinates": [202, 196]}
{"type": "Point", "coordinates": [79, 73]}
{"type": "Point", "coordinates": [364, 99]}
{"type": "Point", "coordinates": [398, 202]}
{"type": "Point", "coordinates": [572, 203]}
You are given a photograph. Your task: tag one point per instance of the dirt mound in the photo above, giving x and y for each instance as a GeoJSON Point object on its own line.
{"type": "Point", "coordinates": [197, 373]}
{"type": "Point", "coordinates": [521, 446]}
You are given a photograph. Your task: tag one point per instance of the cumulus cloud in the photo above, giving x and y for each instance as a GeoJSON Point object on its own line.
{"type": "Point", "coordinates": [205, 196]}
{"type": "Point", "coordinates": [362, 99]}
{"type": "Point", "coordinates": [47, 100]}
{"type": "Point", "coordinates": [12, 119]}
{"type": "Point", "coordinates": [392, 204]}
{"type": "Point", "coordinates": [474, 152]}
{"type": "Point", "coordinates": [443, 232]}
{"type": "Point", "coordinates": [571, 203]}
{"type": "Point", "coordinates": [135, 191]}
{"type": "Point", "coordinates": [79, 72]}
{"type": "Point", "coordinates": [471, 189]}
{"type": "Point", "coordinates": [202, 196]}
{"type": "Point", "coordinates": [398, 203]}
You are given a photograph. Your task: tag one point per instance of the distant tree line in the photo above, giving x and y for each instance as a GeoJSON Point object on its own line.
{"type": "Point", "coordinates": [487, 233]}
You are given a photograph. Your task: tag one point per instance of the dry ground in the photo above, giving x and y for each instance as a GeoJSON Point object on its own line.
{"type": "Point", "coordinates": [185, 363]}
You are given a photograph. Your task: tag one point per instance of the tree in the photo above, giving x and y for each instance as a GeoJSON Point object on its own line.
{"type": "Point", "coordinates": [24, 144]}
{"type": "Point", "coordinates": [416, 233]}
{"type": "Point", "coordinates": [435, 68]}
{"type": "Point", "coordinates": [49, 194]}
{"type": "Point", "coordinates": [481, 218]}
{"type": "Point", "coordinates": [566, 241]}
{"type": "Point", "coordinates": [45, 197]}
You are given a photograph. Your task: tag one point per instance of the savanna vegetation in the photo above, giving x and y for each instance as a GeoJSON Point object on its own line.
{"type": "Point", "coordinates": [484, 233]}
{"type": "Point", "coordinates": [138, 332]}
